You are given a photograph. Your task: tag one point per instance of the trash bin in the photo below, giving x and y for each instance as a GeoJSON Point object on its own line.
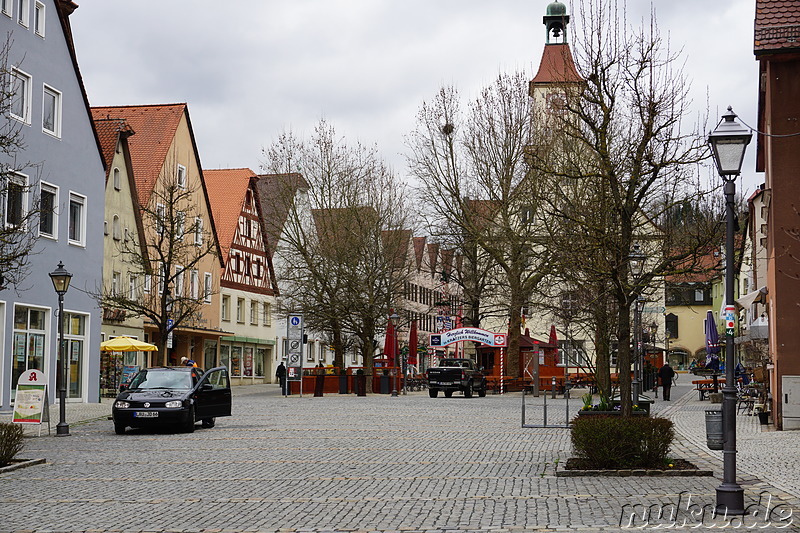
{"type": "Point", "coordinates": [361, 383]}
{"type": "Point", "coordinates": [384, 384]}
{"type": "Point", "coordinates": [714, 436]}
{"type": "Point", "coordinates": [343, 384]}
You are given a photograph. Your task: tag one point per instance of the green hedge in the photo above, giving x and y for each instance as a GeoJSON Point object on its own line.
{"type": "Point", "coordinates": [10, 442]}
{"type": "Point", "coordinates": [622, 442]}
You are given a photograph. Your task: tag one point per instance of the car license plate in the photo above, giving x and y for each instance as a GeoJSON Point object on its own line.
{"type": "Point", "coordinates": [445, 383]}
{"type": "Point", "coordinates": [145, 414]}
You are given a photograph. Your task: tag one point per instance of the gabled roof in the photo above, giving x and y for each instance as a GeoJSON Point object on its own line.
{"type": "Point", "coordinates": [557, 66]}
{"type": "Point", "coordinates": [777, 26]}
{"type": "Point", "coordinates": [155, 126]}
{"type": "Point", "coordinates": [227, 189]}
{"type": "Point", "coordinates": [275, 195]}
{"type": "Point", "coordinates": [109, 132]}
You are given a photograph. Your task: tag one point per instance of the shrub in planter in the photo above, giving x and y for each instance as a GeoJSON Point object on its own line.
{"type": "Point", "coordinates": [622, 442]}
{"type": "Point", "coordinates": [10, 442]}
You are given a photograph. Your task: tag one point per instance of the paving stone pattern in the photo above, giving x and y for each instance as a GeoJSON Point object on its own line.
{"type": "Point", "coordinates": [347, 463]}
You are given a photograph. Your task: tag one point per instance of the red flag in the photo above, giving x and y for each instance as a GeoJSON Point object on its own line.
{"type": "Point", "coordinates": [390, 343]}
{"type": "Point", "coordinates": [553, 340]}
{"type": "Point", "coordinates": [412, 344]}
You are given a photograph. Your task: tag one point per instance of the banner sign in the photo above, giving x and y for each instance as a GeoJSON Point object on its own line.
{"type": "Point", "coordinates": [29, 402]}
{"type": "Point", "coordinates": [468, 334]}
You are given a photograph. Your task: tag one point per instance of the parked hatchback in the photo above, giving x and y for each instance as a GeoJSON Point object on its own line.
{"type": "Point", "coordinates": [173, 397]}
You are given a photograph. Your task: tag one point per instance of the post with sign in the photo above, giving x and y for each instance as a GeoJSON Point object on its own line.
{"type": "Point", "coordinates": [294, 356]}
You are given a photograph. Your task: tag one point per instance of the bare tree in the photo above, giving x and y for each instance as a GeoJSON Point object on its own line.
{"type": "Point", "coordinates": [176, 244]}
{"type": "Point", "coordinates": [341, 252]}
{"type": "Point", "coordinates": [472, 166]}
{"type": "Point", "coordinates": [24, 210]}
{"type": "Point", "coordinates": [621, 155]}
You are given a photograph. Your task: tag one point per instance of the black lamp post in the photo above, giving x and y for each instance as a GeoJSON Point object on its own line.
{"type": "Point", "coordinates": [636, 261]}
{"type": "Point", "coordinates": [61, 279]}
{"type": "Point", "coordinates": [394, 318]}
{"type": "Point", "coordinates": [728, 144]}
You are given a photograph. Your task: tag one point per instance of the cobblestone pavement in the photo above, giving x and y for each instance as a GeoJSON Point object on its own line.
{"type": "Point", "coordinates": [376, 463]}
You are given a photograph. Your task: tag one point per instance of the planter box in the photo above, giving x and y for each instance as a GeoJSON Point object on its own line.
{"type": "Point", "coordinates": [610, 413]}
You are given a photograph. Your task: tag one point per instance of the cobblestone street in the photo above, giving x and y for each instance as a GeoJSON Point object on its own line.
{"type": "Point", "coordinates": [347, 463]}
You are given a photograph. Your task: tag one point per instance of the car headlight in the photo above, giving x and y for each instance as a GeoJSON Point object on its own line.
{"type": "Point", "coordinates": [121, 405]}
{"type": "Point", "coordinates": [173, 404]}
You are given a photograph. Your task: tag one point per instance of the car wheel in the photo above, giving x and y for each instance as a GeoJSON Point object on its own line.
{"type": "Point", "coordinates": [482, 390]}
{"type": "Point", "coordinates": [208, 423]}
{"type": "Point", "coordinates": [468, 390]}
{"type": "Point", "coordinates": [119, 429]}
{"type": "Point", "coordinates": [189, 427]}
{"type": "Point", "coordinates": [448, 393]}
{"type": "Point", "coordinates": [433, 393]}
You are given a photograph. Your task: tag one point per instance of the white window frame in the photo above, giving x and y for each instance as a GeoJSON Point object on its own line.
{"type": "Point", "coordinates": [180, 225]}
{"type": "Point", "coordinates": [240, 310]}
{"type": "Point", "coordinates": [161, 215]}
{"type": "Point", "coordinates": [117, 179]}
{"type": "Point", "coordinates": [116, 280]}
{"type": "Point", "coordinates": [194, 281]}
{"type": "Point", "coordinates": [23, 17]}
{"type": "Point", "coordinates": [39, 18]}
{"type": "Point", "coordinates": [225, 308]}
{"type": "Point", "coordinates": [179, 274]}
{"type": "Point", "coordinates": [267, 310]}
{"type": "Point", "coordinates": [7, 8]}
{"type": "Point", "coordinates": [132, 281]}
{"type": "Point", "coordinates": [50, 188]}
{"type": "Point", "coordinates": [57, 98]}
{"type": "Point", "coordinates": [116, 232]}
{"type": "Point", "coordinates": [180, 177]}
{"type": "Point", "coordinates": [21, 180]}
{"type": "Point", "coordinates": [148, 283]}
{"type": "Point", "coordinates": [198, 231]}
{"type": "Point", "coordinates": [79, 199]}
{"type": "Point", "coordinates": [207, 287]}
{"type": "Point", "coordinates": [27, 94]}
{"type": "Point", "coordinates": [253, 312]}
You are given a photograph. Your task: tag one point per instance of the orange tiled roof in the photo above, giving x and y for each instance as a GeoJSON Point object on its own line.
{"type": "Point", "coordinates": [108, 133]}
{"type": "Point", "coordinates": [777, 26]}
{"type": "Point", "coordinates": [226, 194]}
{"type": "Point", "coordinates": [419, 249]}
{"type": "Point", "coordinates": [155, 127]}
{"type": "Point", "coordinates": [557, 65]}
{"type": "Point", "coordinates": [273, 192]}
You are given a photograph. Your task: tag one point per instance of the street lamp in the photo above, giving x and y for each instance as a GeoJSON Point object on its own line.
{"type": "Point", "coordinates": [61, 278]}
{"type": "Point", "coordinates": [394, 318]}
{"type": "Point", "coordinates": [636, 261]}
{"type": "Point", "coordinates": [728, 144]}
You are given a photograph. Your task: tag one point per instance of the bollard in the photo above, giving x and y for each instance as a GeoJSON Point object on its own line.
{"type": "Point", "coordinates": [714, 434]}
{"type": "Point", "coordinates": [553, 387]}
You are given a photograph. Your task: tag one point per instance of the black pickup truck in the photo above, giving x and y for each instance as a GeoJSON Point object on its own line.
{"type": "Point", "coordinates": [456, 375]}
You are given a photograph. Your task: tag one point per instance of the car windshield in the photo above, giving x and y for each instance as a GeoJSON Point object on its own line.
{"type": "Point", "coordinates": [162, 379]}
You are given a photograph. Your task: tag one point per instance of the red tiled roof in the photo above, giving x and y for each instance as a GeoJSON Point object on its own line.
{"type": "Point", "coordinates": [419, 249]}
{"type": "Point", "coordinates": [777, 25]}
{"type": "Point", "coordinates": [108, 133]}
{"type": "Point", "coordinates": [557, 65]}
{"type": "Point", "coordinates": [227, 189]}
{"type": "Point", "coordinates": [155, 127]}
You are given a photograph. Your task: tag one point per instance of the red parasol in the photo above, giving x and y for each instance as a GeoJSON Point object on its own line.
{"type": "Point", "coordinates": [553, 340]}
{"type": "Point", "coordinates": [412, 344]}
{"type": "Point", "coordinates": [390, 344]}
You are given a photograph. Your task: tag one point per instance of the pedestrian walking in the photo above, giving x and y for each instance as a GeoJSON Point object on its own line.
{"type": "Point", "coordinates": [280, 373]}
{"type": "Point", "coordinates": [666, 373]}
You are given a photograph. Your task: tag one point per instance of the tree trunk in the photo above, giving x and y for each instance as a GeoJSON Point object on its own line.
{"type": "Point", "coordinates": [624, 353]}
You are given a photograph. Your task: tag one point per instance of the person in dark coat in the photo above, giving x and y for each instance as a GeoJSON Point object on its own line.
{"type": "Point", "coordinates": [280, 373]}
{"type": "Point", "coordinates": [666, 373]}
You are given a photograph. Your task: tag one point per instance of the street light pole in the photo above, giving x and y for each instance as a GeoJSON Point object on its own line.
{"type": "Point", "coordinates": [61, 278]}
{"type": "Point", "coordinates": [394, 318]}
{"type": "Point", "coordinates": [636, 261]}
{"type": "Point", "coordinates": [728, 144]}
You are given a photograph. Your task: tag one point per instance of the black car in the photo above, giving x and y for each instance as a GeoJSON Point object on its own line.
{"type": "Point", "coordinates": [175, 397]}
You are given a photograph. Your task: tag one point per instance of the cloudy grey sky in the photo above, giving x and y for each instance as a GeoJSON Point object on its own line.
{"type": "Point", "coordinates": [250, 69]}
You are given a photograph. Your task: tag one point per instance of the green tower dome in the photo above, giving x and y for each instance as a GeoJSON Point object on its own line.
{"type": "Point", "coordinates": [556, 9]}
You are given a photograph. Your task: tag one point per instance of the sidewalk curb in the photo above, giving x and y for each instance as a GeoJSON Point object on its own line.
{"type": "Point", "coordinates": [21, 463]}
